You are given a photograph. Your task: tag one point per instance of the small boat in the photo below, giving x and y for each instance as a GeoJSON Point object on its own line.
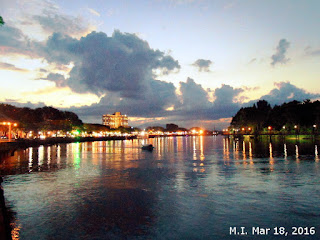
{"type": "Point", "coordinates": [149, 147]}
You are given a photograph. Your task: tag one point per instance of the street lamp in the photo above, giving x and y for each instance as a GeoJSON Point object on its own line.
{"type": "Point", "coordinates": [297, 131]}
{"type": "Point", "coordinates": [270, 128]}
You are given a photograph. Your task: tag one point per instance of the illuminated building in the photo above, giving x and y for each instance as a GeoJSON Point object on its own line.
{"type": "Point", "coordinates": [115, 120]}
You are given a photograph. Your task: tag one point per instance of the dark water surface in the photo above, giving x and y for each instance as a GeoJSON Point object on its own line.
{"type": "Point", "coordinates": [186, 188]}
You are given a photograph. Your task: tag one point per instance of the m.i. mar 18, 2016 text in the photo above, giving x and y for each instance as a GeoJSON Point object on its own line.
{"type": "Point", "coordinates": [276, 231]}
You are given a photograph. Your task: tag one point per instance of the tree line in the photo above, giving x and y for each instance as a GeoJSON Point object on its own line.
{"type": "Point", "coordinates": [288, 118]}
{"type": "Point", "coordinates": [45, 118]}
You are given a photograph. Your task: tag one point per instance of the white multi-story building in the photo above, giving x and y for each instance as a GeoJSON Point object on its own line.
{"type": "Point", "coordinates": [115, 120]}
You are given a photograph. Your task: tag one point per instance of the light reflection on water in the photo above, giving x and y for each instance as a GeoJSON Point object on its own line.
{"type": "Point", "coordinates": [186, 188]}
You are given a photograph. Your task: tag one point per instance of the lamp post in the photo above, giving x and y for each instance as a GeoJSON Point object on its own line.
{"type": "Point", "coordinates": [297, 131]}
{"type": "Point", "coordinates": [270, 128]}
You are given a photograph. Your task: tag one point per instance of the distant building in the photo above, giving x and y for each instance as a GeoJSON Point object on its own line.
{"type": "Point", "coordinates": [115, 120]}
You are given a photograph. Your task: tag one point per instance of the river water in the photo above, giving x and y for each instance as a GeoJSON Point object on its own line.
{"type": "Point", "coordinates": [186, 188]}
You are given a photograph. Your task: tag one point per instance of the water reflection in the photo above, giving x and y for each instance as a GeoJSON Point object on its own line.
{"type": "Point", "coordinates": [115, 190]}
{"type": "Point", "coordinates": [297, 153]}
{"type": "Point", "coordinates": [285, 152]}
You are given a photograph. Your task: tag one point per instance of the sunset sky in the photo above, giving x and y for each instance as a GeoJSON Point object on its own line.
{"type": "Point", "coordinates": [190, 62]}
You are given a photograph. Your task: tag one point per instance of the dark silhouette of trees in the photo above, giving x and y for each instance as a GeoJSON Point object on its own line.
{"type": "Point", "coordinates": [170, 127]}
{"type": "Point", "coordinates": [289, 116]}
{"type": "Point", "coordinates": [1, 21]}
{"type": "Point", "coordinates": [45, 118]}
{"type": "Point", "coordinates": [254, 116]}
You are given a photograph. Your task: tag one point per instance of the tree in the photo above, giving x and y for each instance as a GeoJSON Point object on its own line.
{"type": "Point", "coordinates": [1, 21]}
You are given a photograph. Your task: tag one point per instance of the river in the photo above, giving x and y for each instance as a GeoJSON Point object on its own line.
{"type": "Point", "coordinates": [202, 187]}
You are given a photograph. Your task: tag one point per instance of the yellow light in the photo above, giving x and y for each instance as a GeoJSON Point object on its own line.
{"type": "Point", "coordinates": [15, 124]}
{"type": "Point", "coordinates": [243, 129]}
{"type": "Point", "coordinates": [201, 131]}
{"type": "Point", "coordinates": [249, 128]}
{"type": "Point", "coordinates": [269, 128]}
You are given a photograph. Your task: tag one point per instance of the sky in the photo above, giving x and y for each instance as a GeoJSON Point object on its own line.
{"type": "Point", "coordinates": [189, 62]}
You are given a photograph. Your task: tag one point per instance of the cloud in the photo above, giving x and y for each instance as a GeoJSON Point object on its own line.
{"type": "Point", "coordinates": [193, 95]}
{"type": "Point", "coordinates": [195, 104]}
{"type": "Point", "coordinates": [122, 63]}
{"type": "Point", "coordinates": [38, 19]}
{"type": "Point", "coordinates": [14, 41]}
{"type": "Point", "coordinates": [312, 52]}
{"type": "Point", "coordinates": [59, 79]}
{"type": "Point", "coordinates": [252, 60]}
{"type": "Point", "coordinates": [153, 103]}
{"type": "Point", "coordinates": [11, 67]}
{"type": "Point", "coordinates": [203, 65]}
{"type": "Point", "coordinates": [94, 12]}
{"type": "Point", "coordinates": [280, 55]}
{"type": "Point", "coordinates": [191, 105]}
{"type": "Point", "coordinates": [54, 21]}
{"type": "Point", "coordinates": [286, 92]}
{"type": "Point", "coordinates": [226, 95]}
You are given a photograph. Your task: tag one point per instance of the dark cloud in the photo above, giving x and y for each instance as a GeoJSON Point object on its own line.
{"type": "Point", "coordinates": [8, 66]}
{"type": "Point", "coordinates": [122, 63]}
{"type": "Point", "coordinates": [192, 104]}
{"type": "Point", "coordinates": [286, 92]}
{"type": "Point", "coordinates": [59, 79]}
{"type": "Point", "coordinates": [193, 95]}
{"type": "Point", "coordinates": [226, 95]}
{"type": "Point", "coordinates": [153, 103]}
{"type": "Point", "coordinates": [195, 103]}
{"type": "Point", "coordinates": [280, 55]}
{"type": "Point", "coordinates": [203, 65]}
